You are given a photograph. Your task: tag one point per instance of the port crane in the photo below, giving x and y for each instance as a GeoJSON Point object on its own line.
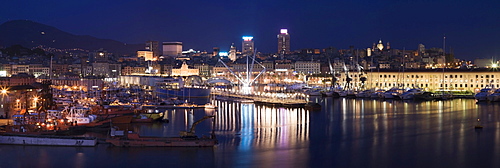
{"type": "Point", "coordinates": [191, 131]}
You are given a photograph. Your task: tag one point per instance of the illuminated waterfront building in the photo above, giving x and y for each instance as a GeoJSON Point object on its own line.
{"type": "Point", "coordinates": [283, 42]}
{"type": "Point", "coordinates": [429, 79]}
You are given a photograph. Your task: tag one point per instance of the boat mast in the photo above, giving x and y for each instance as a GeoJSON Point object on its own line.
{"type": "Point", "coordinates": [444, 66]}
{"type": "Point", "coordinates": [404, 55]}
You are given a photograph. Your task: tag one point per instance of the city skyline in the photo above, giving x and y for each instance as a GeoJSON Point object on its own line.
{"type": "Point", "coordinates": [470, 27]}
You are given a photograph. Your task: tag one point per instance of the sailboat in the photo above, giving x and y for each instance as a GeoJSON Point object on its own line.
{"type": "Point", "coordinates": [444, 95]}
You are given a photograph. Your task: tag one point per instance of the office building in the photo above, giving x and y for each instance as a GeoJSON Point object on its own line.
{"type": "Point", "coordinates": [154, 47]}
{"type": "Point", "coordinates": [172, 48]}
{"type": "Point", "coordinates": [284, 42]}
{"type": "Point", "coordinates": [247, 46]}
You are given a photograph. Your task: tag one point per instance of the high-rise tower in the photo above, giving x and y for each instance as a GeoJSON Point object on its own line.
{"type": "Point", "coordinates": [283, 42]}
{"type": "Point", "coordinates": [247, 45]}
{"type": "Point", "coordinates": [154, 47]}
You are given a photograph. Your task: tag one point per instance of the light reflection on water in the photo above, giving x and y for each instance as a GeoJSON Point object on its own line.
{"type": "Point", "coordinates": [345, 133]}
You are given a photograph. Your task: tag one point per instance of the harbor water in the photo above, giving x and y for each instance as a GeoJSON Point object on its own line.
{"type": "Point", "coordinates": [344, 133]}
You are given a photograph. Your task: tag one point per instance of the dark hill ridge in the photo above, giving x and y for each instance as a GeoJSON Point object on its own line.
{"type": "Point", "coordinates": [30, 34]}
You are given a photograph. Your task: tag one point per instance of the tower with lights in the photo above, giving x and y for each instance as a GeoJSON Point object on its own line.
{"type": "Point", "coordinates": [247, 46]}
{"type": "Point", "coordinates": [283, 42]}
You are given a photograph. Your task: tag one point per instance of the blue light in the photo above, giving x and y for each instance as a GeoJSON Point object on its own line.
{"type": "Point", "coordinates": [223, 54]}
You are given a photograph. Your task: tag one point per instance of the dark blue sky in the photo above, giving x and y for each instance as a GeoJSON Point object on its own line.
{"type": "Point", "coordinates": [472, 28]}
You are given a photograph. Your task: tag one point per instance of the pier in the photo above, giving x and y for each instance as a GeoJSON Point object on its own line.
{"type": "Point", "coordinates": [290, 100]}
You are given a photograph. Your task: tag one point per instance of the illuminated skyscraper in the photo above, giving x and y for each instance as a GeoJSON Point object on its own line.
{"type": "Point", "coordinates": [247, 46]}
{"type": "Point", "coordinates": [283, 42]}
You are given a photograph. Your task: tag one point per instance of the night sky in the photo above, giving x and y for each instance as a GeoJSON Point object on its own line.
{"type": "Point", "coordinates": [472, 28]}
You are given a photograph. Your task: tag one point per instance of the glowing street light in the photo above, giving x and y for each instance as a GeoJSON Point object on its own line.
{"type": "Point", "coordinates": [35, 99]}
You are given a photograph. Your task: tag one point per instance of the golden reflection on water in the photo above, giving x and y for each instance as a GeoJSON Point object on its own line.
{"type": "Point", "coordinates": [429, 128]}
{"type": "Point", "coordinates": [438, 122]}
{"type": "Point", "coordinates": [264, 126]}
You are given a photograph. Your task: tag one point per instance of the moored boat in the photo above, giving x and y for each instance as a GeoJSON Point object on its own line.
{"type": "Point", "coordinates": [410, 94]}
{"type": "Point", "coordinates": [495, 96]}
{"type": "Point", "coordinates": [391, 94]}
{"type": "Point", "coordinates": [364, 94]}
{"type": "Point", "coordinates": [483, 94]}
{"type": "Point", "coordinates": [424, 96]}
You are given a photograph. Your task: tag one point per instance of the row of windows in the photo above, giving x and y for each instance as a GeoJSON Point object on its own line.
{"type": "Point", "coordinates": [440, 85]}
{"type": "Point", "coordinates": [440, 80]}
{"type": "Point", "coordinates": [435, 76]}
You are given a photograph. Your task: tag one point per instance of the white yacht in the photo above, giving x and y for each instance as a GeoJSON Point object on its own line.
{"type": "Point", "coordinates": [483, 94]}
{"type": "Point", "coordinates": [391, 94]}
{"type": "Point", "coordinates": [410, 94]}
{"type": "Point", "coordinates": [495, 96]}
{"type": "Point", "coordinates": [365, 94]}
{"type": "Point", "coordinates": [377, 94]}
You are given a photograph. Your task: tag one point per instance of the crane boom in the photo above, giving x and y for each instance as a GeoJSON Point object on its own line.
{"type": "Point", "coordinates": [193, 127]}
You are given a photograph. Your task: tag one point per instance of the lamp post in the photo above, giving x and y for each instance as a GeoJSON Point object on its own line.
{"type": "Point", "coordinates": [35, 100]}
{"type": "Point", "coordinates": [4, 93]}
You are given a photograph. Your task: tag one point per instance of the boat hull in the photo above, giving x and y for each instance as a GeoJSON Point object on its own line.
{"type": "Point", "coordinates": [12, 139]}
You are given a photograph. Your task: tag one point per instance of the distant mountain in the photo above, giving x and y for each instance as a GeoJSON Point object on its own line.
{"type": "Point", "coordinates": [30, 34]}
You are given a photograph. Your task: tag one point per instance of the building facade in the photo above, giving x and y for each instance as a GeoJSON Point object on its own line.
{"type": "Point", "coordinates": [185, 71]}
{"type": "Point", "coordinates": [147, 55]}
{"type": "Point", "coordinates": [434, 80]}
{"type": "Point", "coordinates": [307, 67]}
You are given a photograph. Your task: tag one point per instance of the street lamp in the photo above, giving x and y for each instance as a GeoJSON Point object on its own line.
{"type": "Point", "coordinates": [35, 99]}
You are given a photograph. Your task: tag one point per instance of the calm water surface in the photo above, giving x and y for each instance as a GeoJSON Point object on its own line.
{"type": "Point", "coordinates": [345, 133]}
